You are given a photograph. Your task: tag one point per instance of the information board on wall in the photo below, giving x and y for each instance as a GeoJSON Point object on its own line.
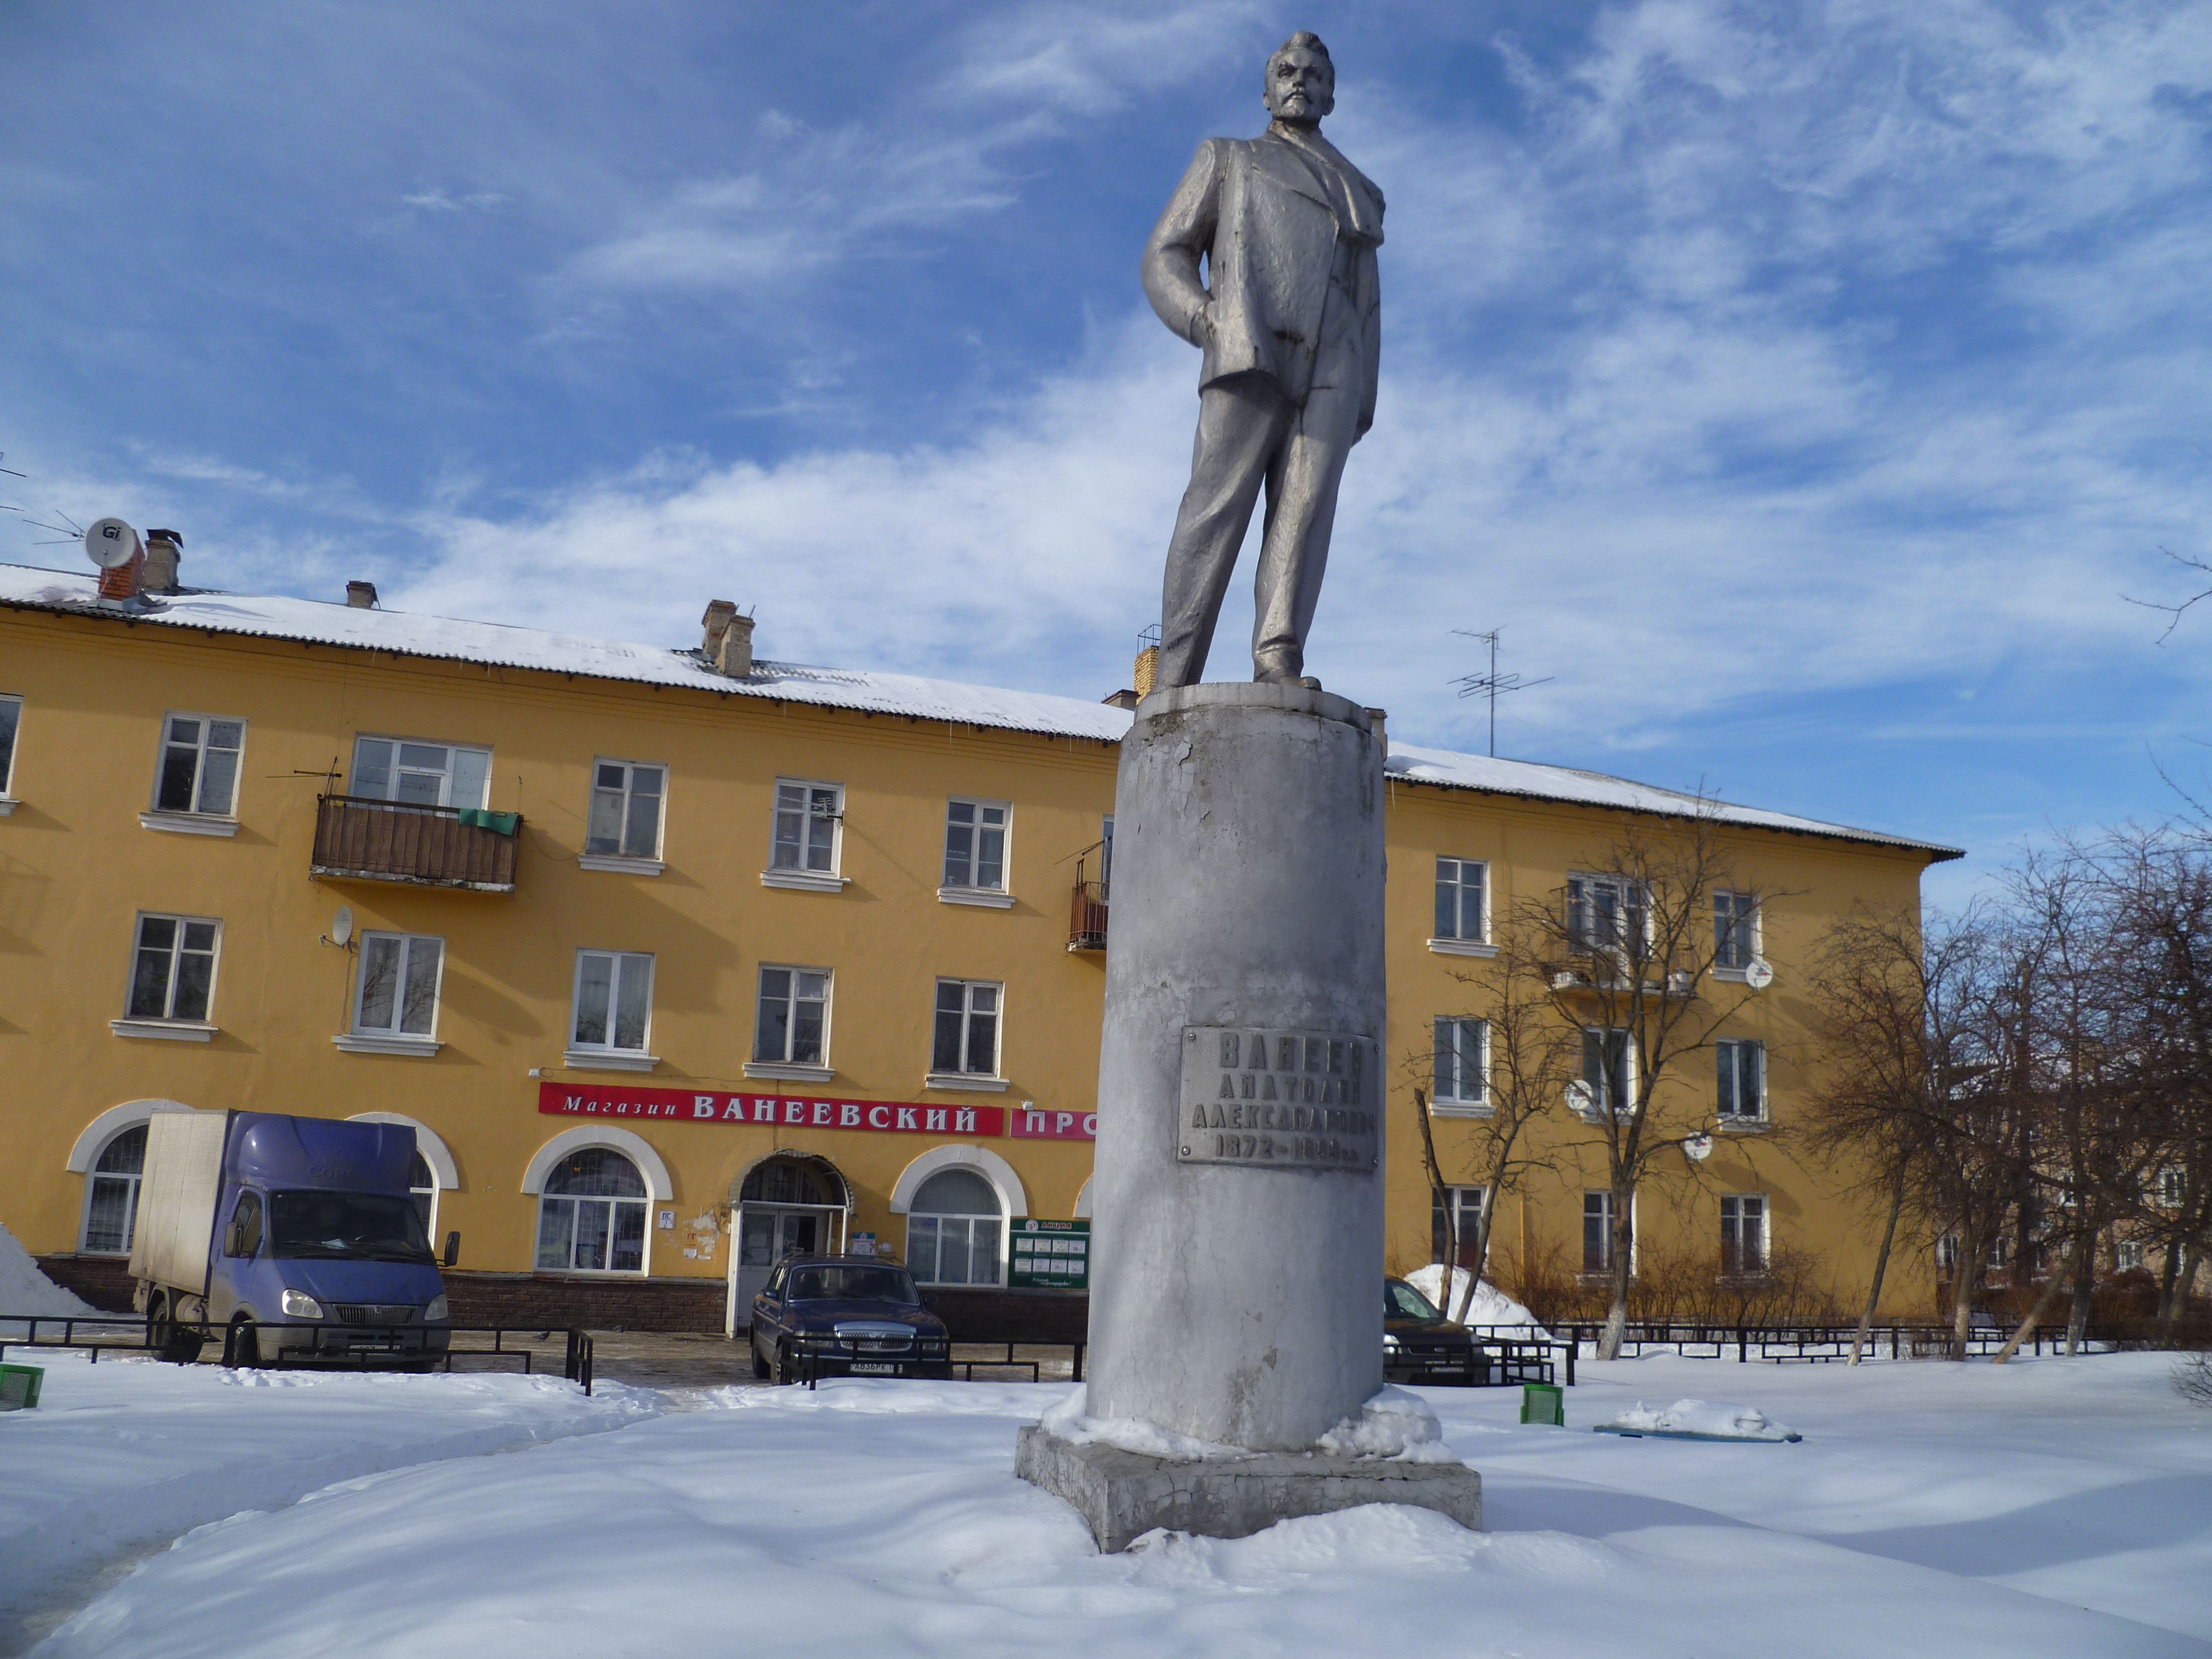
{"type": "Point", "coordinates": [1050, 1256]}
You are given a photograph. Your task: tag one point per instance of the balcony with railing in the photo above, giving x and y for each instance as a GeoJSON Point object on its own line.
{"type": "Point", "coordinates": [358, 839]}
{"type": "Point", "coordinates": [1086, 917]}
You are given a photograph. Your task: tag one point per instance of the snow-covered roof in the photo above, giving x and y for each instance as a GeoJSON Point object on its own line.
{"type": "Point", "coordinates": [1452, 770]}
{"type": "Point", "coordinates": [275, 617]}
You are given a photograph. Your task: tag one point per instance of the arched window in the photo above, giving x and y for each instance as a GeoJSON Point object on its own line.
{"type": "Point", "coordinates": [953, 1229]}
{"type": "Point", "coordinates": [423, 1185]}
{"type": "Point", "coordinates": [111, 1205]}
{"type": "Point", "coordinates": [592, 1215]}
{"type": "Point", "coordinates": [782, 1181]}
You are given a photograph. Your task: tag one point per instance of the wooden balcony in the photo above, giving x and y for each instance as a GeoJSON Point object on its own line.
{"type": "Point", "coordinates": [361, 840]}
{"type": "Point", "coordinates": [1086, 919]}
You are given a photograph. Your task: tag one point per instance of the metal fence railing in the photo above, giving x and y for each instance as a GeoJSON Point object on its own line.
{"type": "Point", "coordinates": [185, 1341]}
{"type": "Point", "coordinates": [1807, 1344]}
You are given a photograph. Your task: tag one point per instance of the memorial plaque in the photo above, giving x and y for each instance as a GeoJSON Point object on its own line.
{"type": "Point", "coordinates": [1274, 1099]}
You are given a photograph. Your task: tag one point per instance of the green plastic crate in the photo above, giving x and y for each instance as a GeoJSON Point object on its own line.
{"type": "Point", "coordinates": [19, 1386]}
{"type": "Point", "coordinates": [1543, 1402]}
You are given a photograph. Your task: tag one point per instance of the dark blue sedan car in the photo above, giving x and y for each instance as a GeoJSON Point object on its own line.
{"type": "Point", "coordinates": [845, 1315]}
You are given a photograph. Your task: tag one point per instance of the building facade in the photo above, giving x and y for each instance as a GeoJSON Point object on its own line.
{"type": "Point", "coordinates": [677, 960]}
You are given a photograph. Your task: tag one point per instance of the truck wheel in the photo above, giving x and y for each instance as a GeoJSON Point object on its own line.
{"type": "Point", "coordinates": [786, 1366]}
{"type": "Point", "coordinates": [244, 1349]}
{"type": "Point", "coordinates": [760, 1365]}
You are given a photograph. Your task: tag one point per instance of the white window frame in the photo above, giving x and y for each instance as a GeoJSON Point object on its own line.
{"type": "Point", "coordinates": [1595, 1096]}
{"type": "Point", "coordinates": [445, 783]}
{"type": "Point", "coordinates": [1631, 905]}
{"type": "Point", "coordinates": [1465, 1201]}
{"type": "Point", "coordinates": [644, 1205]}
{"type": "Point", "coordinates": [621, 859]}
{"type": "Point", "coordinates": [1748, 923]}
{"type": "Point", "coordinates": [1728, 1052]}
{"type": "Point", "coordinates": [430, 1220]}
{"type": "Point", "coordinates": [1460, 942]}
{"type": "Point", "coordinates": [2127, 1255]}
{"type": "Point", "coordinates": [811, 818]}
{"type": "Point", "coordinates": [1460, 1104]}
{"type": "Point", "coordinates": [610, 1056]}
{"type": "Point", "coordinates": [168, 1024]}
{"type": "Point", "coordinates": [1947, 1253]}
{"type": "Point", "coordinates": [1635, 1232]}
{"type": "Point", "coordinates": [10, 704]}
{"type": "Point", "coordinates": [93, 1175]}
{"type": "Point", "coordinates": [992, 1079]}
{"type": "Point", "coordinates": [1004, 1222]}
{"type": "Point", "coordinates": [362, 1039]}
{"type": "Point", "coordinates": [194, 819]}
{"type": "Point", "coordinates": [969, 891]}
{"type": "Point", "coordinates": [1733, 1222]}
{"type": "Point", "coordinates": [817, 1070]}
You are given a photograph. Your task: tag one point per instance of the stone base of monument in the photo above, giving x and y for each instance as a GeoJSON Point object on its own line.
{"type": "Point", "coordinates": [1123, 1495]}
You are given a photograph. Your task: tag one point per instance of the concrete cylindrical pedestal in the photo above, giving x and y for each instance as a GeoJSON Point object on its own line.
{"type": "Point", "coordinates": [1236, 1291]}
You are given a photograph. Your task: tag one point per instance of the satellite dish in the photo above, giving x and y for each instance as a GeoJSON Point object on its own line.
{"type": "Point", "coordinates": [1759, 973]}
{"type": "Point", "coordinates": [110, 543]}
{"type": "Point", "coordinates": [1580, 1096]}
{"type": "Point", "coordinates": [1698, 1148]}
{"type": "Point", "coordinates": [342, 925]}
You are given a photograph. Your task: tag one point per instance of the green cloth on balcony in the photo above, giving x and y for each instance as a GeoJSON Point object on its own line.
{"type": "Point", "coordinates": [505, 824]}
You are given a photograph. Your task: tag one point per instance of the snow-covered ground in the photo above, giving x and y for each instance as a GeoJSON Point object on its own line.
{"type": "Point", "coordinates": [2051, 1507]}
{"type": "Point", "coordinates": [122, 1456]}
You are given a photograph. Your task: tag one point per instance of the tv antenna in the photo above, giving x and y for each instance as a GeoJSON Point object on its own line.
{"type": "Point", "coordinates": [1492, 684]}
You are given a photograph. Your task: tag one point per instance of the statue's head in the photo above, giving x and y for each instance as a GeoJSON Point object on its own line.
{"type": "Point", "coordinates": [1301, 82]}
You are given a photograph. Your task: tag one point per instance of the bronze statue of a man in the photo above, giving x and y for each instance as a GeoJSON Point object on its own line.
{"type": "Point", "coordinates": [1292, 333]}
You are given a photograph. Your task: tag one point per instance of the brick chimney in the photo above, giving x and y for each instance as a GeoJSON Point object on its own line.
{"type": "Point", "coordinates": [165, 549]}
{"type": "Point", "coordinates": [361, 596]}
{"type": "Point", "coordinates": [728, 646]}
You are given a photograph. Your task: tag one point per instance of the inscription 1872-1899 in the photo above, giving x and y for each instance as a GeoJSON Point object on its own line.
{"type": "Point", "coordinates": [1277, 1099]}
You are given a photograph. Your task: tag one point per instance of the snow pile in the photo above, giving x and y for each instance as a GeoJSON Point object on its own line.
{"type": "Point", "coordinates": [123, 1455]}
{"type": "Point", "coordinates": [1489, 1306]}
{"type": "Point", "coordinates": [1702, 1417]}
{"type": "Point", "coordinates": [1393, 1423]}
{"type": "Point", "coordinates": [1972, 1511]}
{"type": "Point", "coordinates": [25, 1290]}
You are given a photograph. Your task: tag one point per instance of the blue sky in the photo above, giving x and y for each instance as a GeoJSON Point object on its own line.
{"type": "Point", "coordinates": [1802, 387]}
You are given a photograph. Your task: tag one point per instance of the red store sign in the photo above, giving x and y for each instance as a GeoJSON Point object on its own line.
{"type": "Point", "coordinates": [1035, 1123]}
{"type": "Point", "coordinates": [683, 1105]}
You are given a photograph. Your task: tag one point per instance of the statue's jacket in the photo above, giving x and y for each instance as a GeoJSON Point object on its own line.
{"type": "Point", "coordinates": [1273, 220]}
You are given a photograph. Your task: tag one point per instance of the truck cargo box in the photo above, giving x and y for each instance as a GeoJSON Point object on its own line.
{"type": "Point", "coordinates": [177, 1198]}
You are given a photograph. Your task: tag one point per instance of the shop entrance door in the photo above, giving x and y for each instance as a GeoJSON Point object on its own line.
{"type": "Point", "coordinates": [765, 1237]}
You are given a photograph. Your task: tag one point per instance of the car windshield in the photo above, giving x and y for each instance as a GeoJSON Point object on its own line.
{"type": "Point", "coordinates": [354, 1226]}
{"type": "Point", "coordinates": [1401, 1301]}
{"type": "Point", "coordinates": [853, 1284]}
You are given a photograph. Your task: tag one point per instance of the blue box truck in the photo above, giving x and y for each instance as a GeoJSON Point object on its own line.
{"type": "Point", "coordinates": [297, 1236]}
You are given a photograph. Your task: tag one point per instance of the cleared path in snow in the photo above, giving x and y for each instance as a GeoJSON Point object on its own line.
{"type": "Point", "coordinates": [881, 1518]}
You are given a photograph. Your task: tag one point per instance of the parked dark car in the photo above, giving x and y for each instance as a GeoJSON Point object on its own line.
{"type": "Point", "coordinates": [845, 1315]}
{"type": "Point", "coordinates": [1419, 1345]}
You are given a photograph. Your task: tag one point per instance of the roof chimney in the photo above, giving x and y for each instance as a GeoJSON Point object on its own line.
{"type": "Point", "coordinates": [728, 646]}
{"type": "Point", "coordinates": [361, 596]}
{"type": "Point", "coordinates": [165, 548]}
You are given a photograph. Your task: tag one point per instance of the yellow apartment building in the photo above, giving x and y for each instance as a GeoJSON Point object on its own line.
{"type": "Point", "coordinates": [678, 958]}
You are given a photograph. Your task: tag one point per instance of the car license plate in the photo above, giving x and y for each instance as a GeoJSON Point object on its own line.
{"type": "Point", "coordinates": [874, 1368]}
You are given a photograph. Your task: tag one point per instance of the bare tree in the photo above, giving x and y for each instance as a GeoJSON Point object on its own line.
{"type": "Point", "coordinates": [1524, 1058]}
{"type": "Point", "coordinates": [1629, 950]}
{"type": "Point", "coordinates": [1888, 988]}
